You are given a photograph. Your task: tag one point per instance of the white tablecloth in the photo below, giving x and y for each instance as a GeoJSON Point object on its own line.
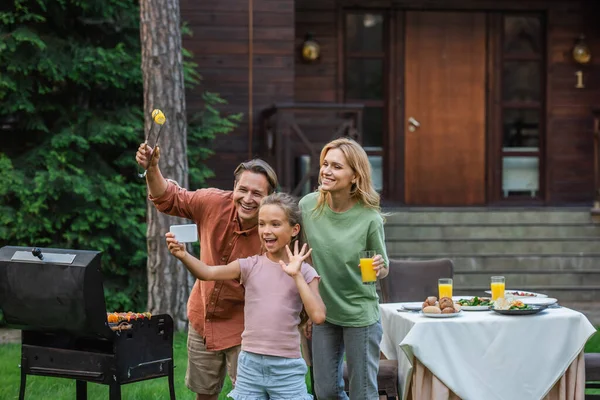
{"type": "Point", "coordinates": [484, 355]}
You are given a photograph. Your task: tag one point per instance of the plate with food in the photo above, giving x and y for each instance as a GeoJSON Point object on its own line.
{"type": "Point", "coordinates": [445, 315]}
{"type": "Point", "coordinates": [475, 303]}
{"type": "Point", "coordinates": [539, 301]}
{"type": "Point", "coordinates": [515, 307]}
{"type": "Point", "coordinates": [519, 294]}
{"type": "Point", "coordinates": [444, 308]}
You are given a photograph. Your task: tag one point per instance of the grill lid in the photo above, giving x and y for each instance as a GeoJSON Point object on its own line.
{"type": "Point", "coordinates": [53, 290]}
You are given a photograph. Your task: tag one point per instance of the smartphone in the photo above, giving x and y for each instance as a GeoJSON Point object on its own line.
{"type": "Point", "coordinates": [187, 233]}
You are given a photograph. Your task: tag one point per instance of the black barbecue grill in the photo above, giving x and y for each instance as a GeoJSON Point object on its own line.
{"type": "Point", "coordinates": [56, 297]}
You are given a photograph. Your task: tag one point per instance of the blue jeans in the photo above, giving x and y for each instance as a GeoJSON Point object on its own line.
{"type": "Point", "coordinates": [261, 377]}
{"type": "Point", "coordinates": [361, 345]}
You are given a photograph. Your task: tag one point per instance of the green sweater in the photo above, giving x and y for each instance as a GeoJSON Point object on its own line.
{"type": "Point", "coordinates": [336, 239]}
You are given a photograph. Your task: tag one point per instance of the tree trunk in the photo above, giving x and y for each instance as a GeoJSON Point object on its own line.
{"type": "Point", "coordinates": [162, 67]}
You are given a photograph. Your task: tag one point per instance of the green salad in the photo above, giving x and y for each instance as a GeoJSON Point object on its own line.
{"type": "Point", "coordinates": [518, 305]}
{"type": "Point", "coordinates": [475, 301]}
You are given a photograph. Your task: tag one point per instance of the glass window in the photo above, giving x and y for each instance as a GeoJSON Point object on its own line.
{"type": "Point", "coordinates": [372, 127]}
{"type": "Point", "coordinates": [522, 106]}
{"type": "Point", "coordinates": [521, 129]}
{"type": "Point", "coordinates": [364, 64]}
{"type": "Point", "coordinates": [377, 172]}
{"type": "Point", "coordinates": [521, 81]}
{"type": "Point", "coordinates": [522, 35]}
{"type": "Point", "coordinates": [364, 32]}
{"type": "Point", "coordinates": [364, 78]}
{"type": "Point", "coordinates": [520, 176]}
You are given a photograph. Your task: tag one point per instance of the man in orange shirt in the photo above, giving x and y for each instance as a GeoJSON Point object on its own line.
{"type": "Point", "coordinates": [227, 230]}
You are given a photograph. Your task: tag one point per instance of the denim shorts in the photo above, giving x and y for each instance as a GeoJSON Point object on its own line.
{"type": "Point", "coordinates": [261, 377]}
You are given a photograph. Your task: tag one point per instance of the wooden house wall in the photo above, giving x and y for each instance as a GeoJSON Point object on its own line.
{"type": "Point", "coordinates": [220, 45]}
{"type": "Point", "coordinates": [569, 152]}
{"type": "Point", "coordinates": [318, 82]}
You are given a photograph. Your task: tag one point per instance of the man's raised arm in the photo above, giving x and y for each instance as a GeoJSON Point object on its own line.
{"type": "Point", "coordinates": [148, 159]}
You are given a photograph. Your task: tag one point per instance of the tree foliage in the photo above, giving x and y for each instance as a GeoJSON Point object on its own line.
{"type": "Point", "coordinates": [71, 119]}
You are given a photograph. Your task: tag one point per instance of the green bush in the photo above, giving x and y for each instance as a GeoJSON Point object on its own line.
{"type": "Point", "coordinates": [71, 118]}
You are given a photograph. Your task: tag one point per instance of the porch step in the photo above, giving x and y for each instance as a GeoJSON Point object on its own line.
{"type": "Point", "coordinates": [562, 293]}
{"type": "Point", "coordinates": [485, 216]}
{"type": "Point", "coordinates": [518, 279]}
{"type": "Point", "coordinates": [516, 246]}
{"type": "Point", "coordinates": [532, 263]}
{"type": "Point", "coordinates": [549, 250]}
{"type": "Point", "coordinates": [498, 231]}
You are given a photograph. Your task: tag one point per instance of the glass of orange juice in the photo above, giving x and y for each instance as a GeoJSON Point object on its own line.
{"type": "Point", "coordinates": [445, 287]}
{"type": "Point", "coordinates": [368, 274]}
{"type": "Point", "coordinates": [498, 287]}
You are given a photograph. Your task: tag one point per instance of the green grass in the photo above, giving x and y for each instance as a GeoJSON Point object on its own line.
{"type": "Point", "coordinates": [58, 389]}
{"type": "Point", "coordinates": [593, 343]}
{"type": "Point", "coordinates": [593, 346]}
{"type": "Point", "coordinates": [39, 387]}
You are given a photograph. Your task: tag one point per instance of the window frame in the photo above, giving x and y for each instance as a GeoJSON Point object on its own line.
{"type": "Point", "coordinates": [497, 107]}
{"type": "Point", "coordinates": [387, 78]}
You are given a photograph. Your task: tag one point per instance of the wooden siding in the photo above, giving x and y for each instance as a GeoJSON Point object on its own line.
{"type": "Point", "coordinates": [220, 47]}
{"type": "Point", "coordinates": [569, 122]}
{"type": "Point", "coordinates": [317, 82]}
{"type": "Point", "coordinates": [220, 44]}
{"type": "Point", "coordinates": [569, 153]}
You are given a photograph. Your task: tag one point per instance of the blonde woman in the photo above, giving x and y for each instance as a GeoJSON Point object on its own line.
{"type": "Point", "coordinates": [340, 219]}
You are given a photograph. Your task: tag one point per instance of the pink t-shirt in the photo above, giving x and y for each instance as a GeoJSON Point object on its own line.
{"type": "Point", "coordinates": [272, 308]}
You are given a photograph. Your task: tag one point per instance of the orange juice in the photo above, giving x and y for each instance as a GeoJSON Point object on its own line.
{"type": "Point", "coordinates": [369, 275]}
{"type": "Point", "coordinates": [498, 289]}
{"type": "Point", "coordinates": [445, 290]}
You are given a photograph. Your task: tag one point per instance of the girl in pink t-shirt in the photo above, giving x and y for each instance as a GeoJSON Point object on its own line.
{"type": "Point", "coordinates": [278, 285]}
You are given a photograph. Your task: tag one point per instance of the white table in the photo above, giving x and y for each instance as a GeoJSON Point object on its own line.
{"type": "Point", "coordinates": [484, 355]}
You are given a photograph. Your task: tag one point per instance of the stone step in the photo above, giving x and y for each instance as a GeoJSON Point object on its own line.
{"type": "Point", "coordinates": [525, 246]}
{"type": "Point", "coordinates": [532, 263]}
{"type": "Point", "coordinates": [524, 279]}
{"type": "Point", "coordinates": [561, 292]}
{"type": "Point", "coordinates": [496, 231]}
{"type": "Point", "coordinates": [479, 216]}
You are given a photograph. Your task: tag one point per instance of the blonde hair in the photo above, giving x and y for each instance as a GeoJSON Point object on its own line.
{"type": "Point", "coordinates": [356, 157]}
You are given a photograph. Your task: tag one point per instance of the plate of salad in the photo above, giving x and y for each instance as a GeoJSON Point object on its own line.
{"type": "Point", "coordinates": [475, 303]}
{"type": "Point", "coordinates": [516, 307]}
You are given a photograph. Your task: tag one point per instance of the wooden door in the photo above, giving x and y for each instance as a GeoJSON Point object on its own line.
{"type": "Point", "coordinates": [445, 63]}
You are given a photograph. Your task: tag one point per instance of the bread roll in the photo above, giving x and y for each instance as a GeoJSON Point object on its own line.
{"type": "Point", "coordinates": [446, 302]}
{"type": "Point", "coordinates": [431, 300]}
{"type": "Point", "coordinates": [432, 310]}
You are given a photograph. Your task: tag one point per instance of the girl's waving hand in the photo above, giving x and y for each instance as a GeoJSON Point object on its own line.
{"type": "Point", "coordinates": [295, 260]}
